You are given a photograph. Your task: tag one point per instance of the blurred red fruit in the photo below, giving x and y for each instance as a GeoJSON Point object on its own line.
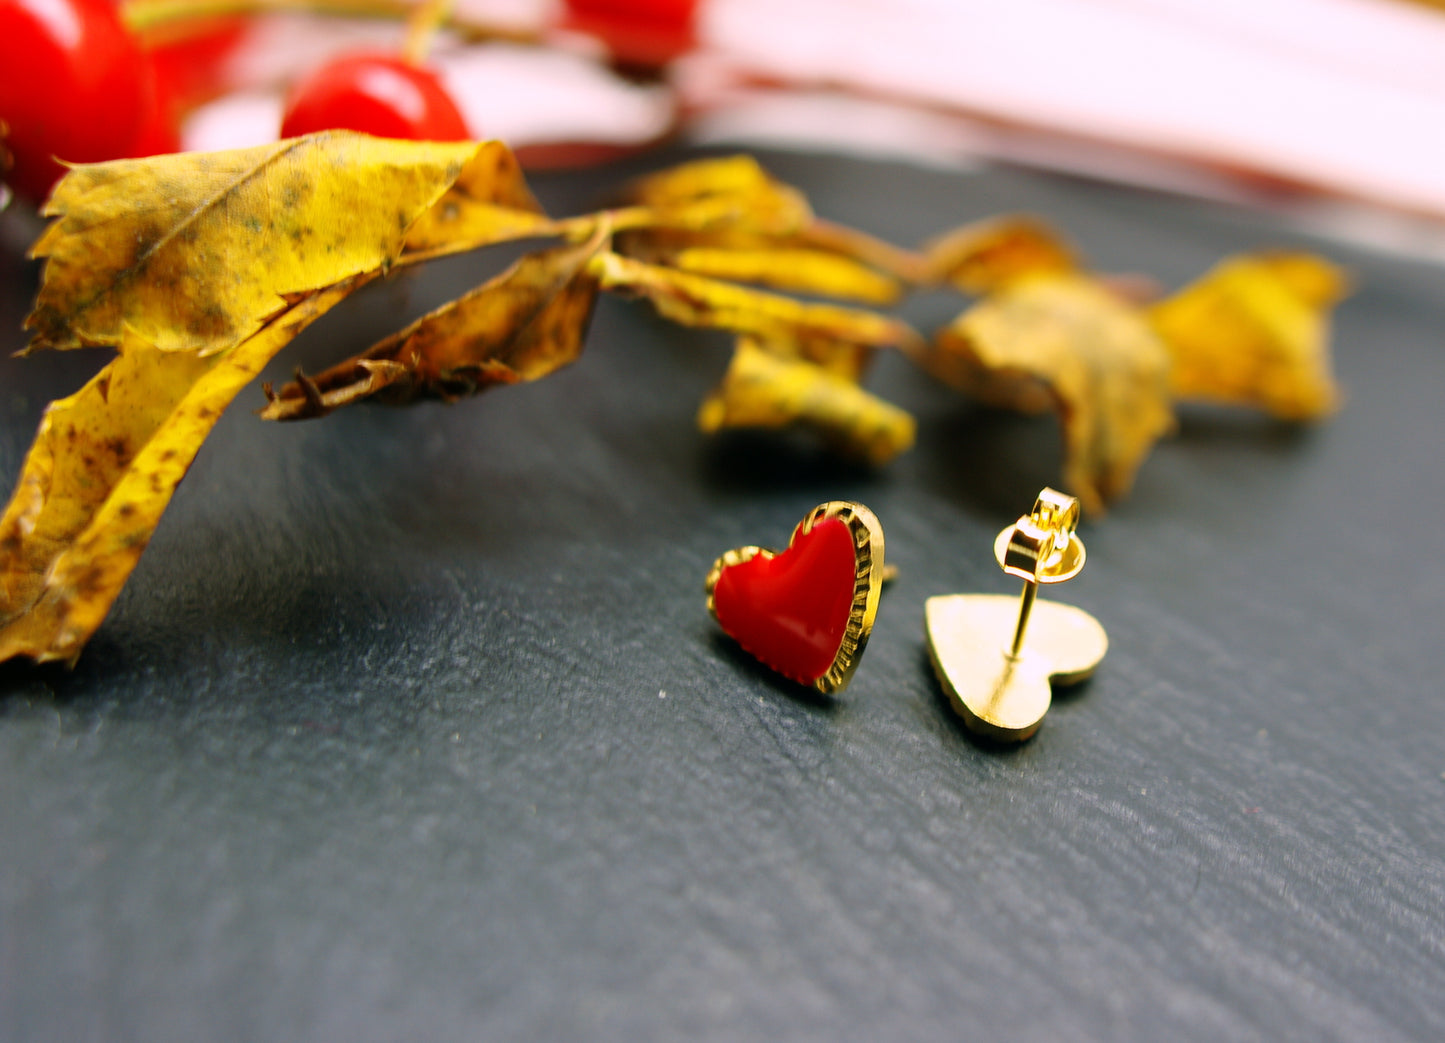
{"type": "Point", "coordinates": [157, 133]}
{"type": "Point", "coordinates": [73, 86]}
{"type": "Point", "coordinates": [641, 32]}
{"type": "Point", "coordinates": [191, 65]}
{"type": "Point", "coordinates": [378, 94]}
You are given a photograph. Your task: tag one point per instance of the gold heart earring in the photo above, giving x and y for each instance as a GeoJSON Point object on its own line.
{"type": "Point", "coordinates": [1001, 688]}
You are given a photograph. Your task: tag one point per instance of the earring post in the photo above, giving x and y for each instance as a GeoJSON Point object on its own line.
{"type": "Point", "coordinates": [1026, 606]}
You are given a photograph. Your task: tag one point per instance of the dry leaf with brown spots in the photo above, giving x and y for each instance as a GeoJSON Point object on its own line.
{"type": "Point", "coordinates": [103, 468]}
{"type": "Point", "coordinates": [197, 251]}
{"type": "Point", "coordinates": [488, 202]}
{"type": "Point", "coordinates": [524, 324]}
{"type": "Point", "coordinates": [198, 268]}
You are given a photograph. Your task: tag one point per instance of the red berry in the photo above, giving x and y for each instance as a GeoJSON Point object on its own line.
{"type": "Point", "coordinates": [192, 66]}
{"type": "Point", "coordinates": [72, 87]}
{"type": "Point", "coordinates": [378, 94]}
{"type": "Point", "coordinates": [157, 132]}
{"type": "Point", "coordinates": [644, 32]}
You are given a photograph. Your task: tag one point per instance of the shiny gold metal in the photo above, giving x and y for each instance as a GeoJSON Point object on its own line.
{"type": "Point", "coordinates": [997, 682]}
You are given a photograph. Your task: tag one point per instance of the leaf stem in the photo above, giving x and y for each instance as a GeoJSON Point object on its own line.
{"type": "Point", "coordinates": [421, 29]}
{"type": "Point", "coordinates": [149, 16]}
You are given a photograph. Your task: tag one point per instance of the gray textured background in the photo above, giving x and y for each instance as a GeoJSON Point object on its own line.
{"type": "Point", "coordinates": [375, 743]}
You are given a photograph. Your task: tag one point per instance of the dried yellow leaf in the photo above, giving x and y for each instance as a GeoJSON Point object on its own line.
{"type": "Point", "coordinates": [841, 358]}
{"type": "Point", "coordinates": [736, 185]}
{"type": "Point", "coordinates": [489, 202]}
{"type": "Point", "coordinates": [790, 268]}
{"type": "Point", "coordinates": [1061, 339]}
{"type": "Point", "coordinates": [103, 467]}
{"type": "Point", "coordinates": [693, 300]}
{"type": "Point", "coordinates": [988, 255]}
{"type": "Point", "coordinates": [751, 258]}
{"type": "Point", "coordinates": [524, 324]}
{"type": "Point", "coordinates": [198, 268]}
{"type": "Point", "coordinates": [1255, 331]}
{"type": "Point", "coordinates": [728, 218]}
{"type": "Point", "coordinates": [196, 251]}
{"type": "Point", "coordinates": [762, 389]}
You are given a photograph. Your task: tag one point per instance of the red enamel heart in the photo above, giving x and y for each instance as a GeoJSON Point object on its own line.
{"type": "Point", "coordinates": [805, 612]}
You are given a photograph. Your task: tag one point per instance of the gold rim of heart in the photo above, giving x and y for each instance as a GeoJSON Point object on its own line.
{"type": "Point", "coordinates": [867, 533]}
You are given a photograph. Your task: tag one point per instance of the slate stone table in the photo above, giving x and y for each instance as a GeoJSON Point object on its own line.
{"type": "Point", "coordinates": [411, 723]}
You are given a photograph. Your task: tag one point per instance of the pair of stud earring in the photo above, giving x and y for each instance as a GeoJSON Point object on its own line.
{"type": "Point", "coordinates": [807, 612]}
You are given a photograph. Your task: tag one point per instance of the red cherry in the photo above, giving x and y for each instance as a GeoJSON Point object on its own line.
{"type": "Point", "coordinates": [192, 66]}
{"type": "Point", "coordinates": [157, 132]}
{"type": "Point", "coordinates": [643, 32]}
{"type": "Point", "coordinates": [378, 94]}
{"type": "Point", "coordinates": [72, 87]}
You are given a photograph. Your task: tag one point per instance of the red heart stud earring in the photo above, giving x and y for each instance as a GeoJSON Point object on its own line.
{"type": "Point", "coordinates": [806, 611]}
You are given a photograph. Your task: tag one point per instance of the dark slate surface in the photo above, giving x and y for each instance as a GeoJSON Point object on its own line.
{"type": "Point", "coordinates": [412, 724]}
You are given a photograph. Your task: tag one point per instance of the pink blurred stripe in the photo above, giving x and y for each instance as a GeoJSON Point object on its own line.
{"type": "Point", "coordinates": [1346, 96]}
